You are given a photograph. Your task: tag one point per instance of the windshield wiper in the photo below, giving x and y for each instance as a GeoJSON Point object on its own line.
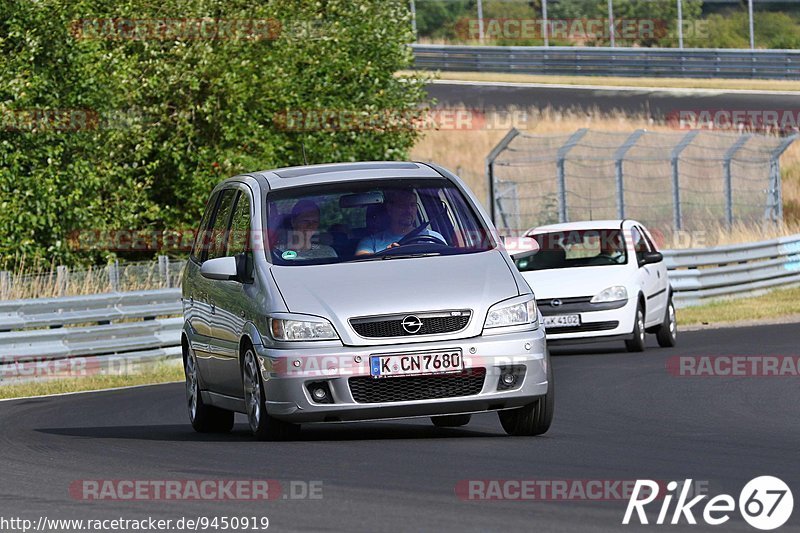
{"type": "Point", "coordinates": [393, 256]}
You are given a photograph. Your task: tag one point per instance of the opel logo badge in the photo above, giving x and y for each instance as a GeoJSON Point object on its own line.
{"type": "Point", "coordinates": [412, 324]}
{"type": "Point", "coordinates": [556, 303]}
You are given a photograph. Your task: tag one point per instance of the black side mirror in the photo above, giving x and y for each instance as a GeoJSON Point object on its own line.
{"type": "Point", "coordinates": [243, 271]}
{"type": "Point", "coordinates": [650, 258]}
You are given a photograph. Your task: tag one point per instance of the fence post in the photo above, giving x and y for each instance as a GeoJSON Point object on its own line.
{"type": "Point", "coordinates": [113, 275]}
{"type": "Point", "coordinates": [5, 285]}
{"type": "Point", "coordinates": [163, 269]}
{"type": "Point", "coordinates": [494, 154]}
{"type": "Point", "coordinates": [676, 182]}
{"type": "Point", "coordinates": [775, 211]}
{"type": "Point", "coordinates": [726, 165]}
{"type": "Point", "coordinates": [619, 155]}
{"type": "Point", "coordinates": [562, 179]}
{"type": "Point", "coordinates": [62, 280]}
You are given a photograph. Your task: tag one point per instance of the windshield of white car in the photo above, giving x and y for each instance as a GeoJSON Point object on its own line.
{"type": "Point", "coordinates": [359, 220]}
{"type": "Point", "coordinates": [575, 249]}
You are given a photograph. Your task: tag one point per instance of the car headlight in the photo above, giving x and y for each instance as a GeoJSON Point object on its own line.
{"type": "Point", "coordinates": [316, 329]}
{"type": "Point", "coordinates": [611, 294]}
{"type": "Point", "coordinates": [517, 314]}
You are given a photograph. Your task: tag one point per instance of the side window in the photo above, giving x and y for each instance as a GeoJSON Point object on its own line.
{"type": "Point", "coordinates": [639, 243]}
{"type": "Point", "coordinates": [238, 239]}
{"type": "Point", "coordinates": [219, 228]}
{"type": "Point", "coordinates": [202, 239]}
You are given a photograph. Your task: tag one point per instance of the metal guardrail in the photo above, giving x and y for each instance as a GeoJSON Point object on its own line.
{"type": "Point", "coordinates": [605, 61]}
{"type": "Point", "coordinates": [103, 329]}
{"type": "Point", "coordinates": [702, 274]}
{"type": "Point", "coordinates": [32, 331]}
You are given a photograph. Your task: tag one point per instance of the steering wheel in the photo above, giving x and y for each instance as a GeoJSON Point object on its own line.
{"type": "Point", "coordinates": [413, 233]}
{"type": "Point", "coordinates": [422, 239]}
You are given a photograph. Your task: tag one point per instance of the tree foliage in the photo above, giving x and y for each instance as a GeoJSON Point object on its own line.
{"type": "Point", "coordinates": [146, 123]}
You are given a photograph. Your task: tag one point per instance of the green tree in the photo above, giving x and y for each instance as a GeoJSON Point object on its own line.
{"type": "Point", "coordinates": [170, 117]}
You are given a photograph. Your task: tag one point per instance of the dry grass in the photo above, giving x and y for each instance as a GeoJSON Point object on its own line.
{"type": "Point", "coordinates": [160, 373]}
{"type": "Point", "coordinates": [777, 303]}
{"type": "Point", "coordinates": [465, 151]}
{"type": "Point", "coordinates": [673, 83]}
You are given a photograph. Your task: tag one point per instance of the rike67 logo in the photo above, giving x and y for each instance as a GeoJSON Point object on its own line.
{"type": "Point", "coordinates": [765, 503]}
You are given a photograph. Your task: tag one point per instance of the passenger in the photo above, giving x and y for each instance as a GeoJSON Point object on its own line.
{"type": "Point", "coordinates": [302, 239]}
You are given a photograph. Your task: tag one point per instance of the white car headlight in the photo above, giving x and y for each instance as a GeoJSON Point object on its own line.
{"type": "Point", "coordinates": [611, 294]}
{"type": "Point", "coordinates": [312, 329]}
{"type": "Point", "coordinates": [518, 314]}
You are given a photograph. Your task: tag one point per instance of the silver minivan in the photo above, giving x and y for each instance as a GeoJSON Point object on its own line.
{"type": "Point", "coordinates": [357, 291]}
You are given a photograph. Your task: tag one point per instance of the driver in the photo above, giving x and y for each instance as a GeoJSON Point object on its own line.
{"type": "Point", "coordinates": [611, 247]}
{"type": "Point", "coordinates": [401, 209]}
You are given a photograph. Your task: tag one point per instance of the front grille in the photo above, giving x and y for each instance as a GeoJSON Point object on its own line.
{"type": "Point", "coordinates": [392, 325]}
{"type": "Point", "coordinates": [581, 304]}
{"type": "Point", "coordinates": [589, 326]}
{"type": "Point", "coordinates": [366, 389]}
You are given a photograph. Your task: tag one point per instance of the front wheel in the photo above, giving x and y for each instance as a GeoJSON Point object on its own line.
{"type": "Point", "coordinates": [637, 342]}
{"type": "Point", "coordinates": [534, 418]}
{"type": "Point", "coordinates": [263, 426]}
{"type": "Point", "coordinates": [204, 418]}
{"type": "Point", "coordinates": [667, 333]}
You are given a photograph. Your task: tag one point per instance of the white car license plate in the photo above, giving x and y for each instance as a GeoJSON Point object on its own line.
{"type": "Point", "coordinates": [405, 364]}
{"type": "Point", "coordinates": [562, 321]}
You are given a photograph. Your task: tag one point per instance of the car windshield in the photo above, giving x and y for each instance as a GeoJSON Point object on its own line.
{"type": "Point", "coordinates": [575, 248]}
{"type": "Point", "coordinates": [369, 220]}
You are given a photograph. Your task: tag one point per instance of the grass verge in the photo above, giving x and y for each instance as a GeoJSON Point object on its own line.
{"type": "Point", "coordinates": [161, 373]}
{"type": "Point", "coordinates": [774, 304]}
{"type": "Point", "coordinates": [671, 83]}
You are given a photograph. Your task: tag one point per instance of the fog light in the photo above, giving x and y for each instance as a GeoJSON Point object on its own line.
{"type": "Point", "coordinates": [511, 377]}
{"type": "Point", "coordinates": [319, 394]}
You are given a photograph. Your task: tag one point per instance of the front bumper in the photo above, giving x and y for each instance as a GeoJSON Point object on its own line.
{"type": "Point", "coordinates": [596, 326]}
{"type": "Point", "coordinates": [287, 373]}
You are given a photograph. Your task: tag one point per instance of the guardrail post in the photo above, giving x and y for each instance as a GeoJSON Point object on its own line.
{"type": "Point", "coordinates": [5, 285]}
{"type": "Point", "coordinates": [726, 164]}
{"type": "Point", "coordinates": [62, 280]}
{"type": "Point", "coordinates": [113, 275]}
{"type": "Point", "coordinates": [676, 182]}
{"type": "Point", "coordinates": [774, 210]}
{"type": "Point", "coordinates": [619, 155]}
{"type": "Point", "coordinates": [494, 154]}
{"type": "Point", "coordinates": [163, 269]}
{"type": "Point", "coordinates": [562, 177]}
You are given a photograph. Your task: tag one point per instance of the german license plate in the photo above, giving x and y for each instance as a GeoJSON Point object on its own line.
{"type": "Point", "coordinates": [406, 364]}
{"type": "Point", "coordinates": [562, 321]}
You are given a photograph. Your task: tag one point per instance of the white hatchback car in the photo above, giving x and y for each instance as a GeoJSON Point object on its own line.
{"type": "Point", "coordinates": [599, 281]}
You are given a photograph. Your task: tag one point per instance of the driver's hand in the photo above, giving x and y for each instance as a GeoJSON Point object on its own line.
{"type": "Point", "coordinates": [393, 245]}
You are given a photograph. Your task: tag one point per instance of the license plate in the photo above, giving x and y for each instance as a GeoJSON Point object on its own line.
{"type": "Point", "coordinates": [406, 364]}
{"type": "Point", "coordinates": [562, 321]}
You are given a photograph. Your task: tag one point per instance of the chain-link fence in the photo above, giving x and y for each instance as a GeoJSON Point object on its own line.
{"type": "Point", "coordinates": [696, 180]}
{"type": "Point", "coordinates": [64, 281]}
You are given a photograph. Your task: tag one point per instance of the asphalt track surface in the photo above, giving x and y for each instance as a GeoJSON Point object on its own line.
{"type": "Point", "coordinates": [654, 103]}
{"type": "Point", "coordinates": [619, 416]}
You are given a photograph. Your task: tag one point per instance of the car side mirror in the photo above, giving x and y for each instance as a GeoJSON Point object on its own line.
{"type": "Point", "coordinates": [220, 269]}
{"type": "Point", "coordinates": [650, 258]}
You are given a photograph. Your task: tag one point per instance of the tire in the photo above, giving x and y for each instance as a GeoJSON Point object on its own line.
{"type": "Point", "coordinates": [450, 421]}
{"type": "Point", "coordinates": [263, 426]}
{"type": "Point", "coordinates": [204, 418]}
{"type": "Point", "coordinates": [637, 343]}
{"type": "Point", "coordinates": [534, 418]}
{"type": "Point", "coordinates": [667, 334]}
